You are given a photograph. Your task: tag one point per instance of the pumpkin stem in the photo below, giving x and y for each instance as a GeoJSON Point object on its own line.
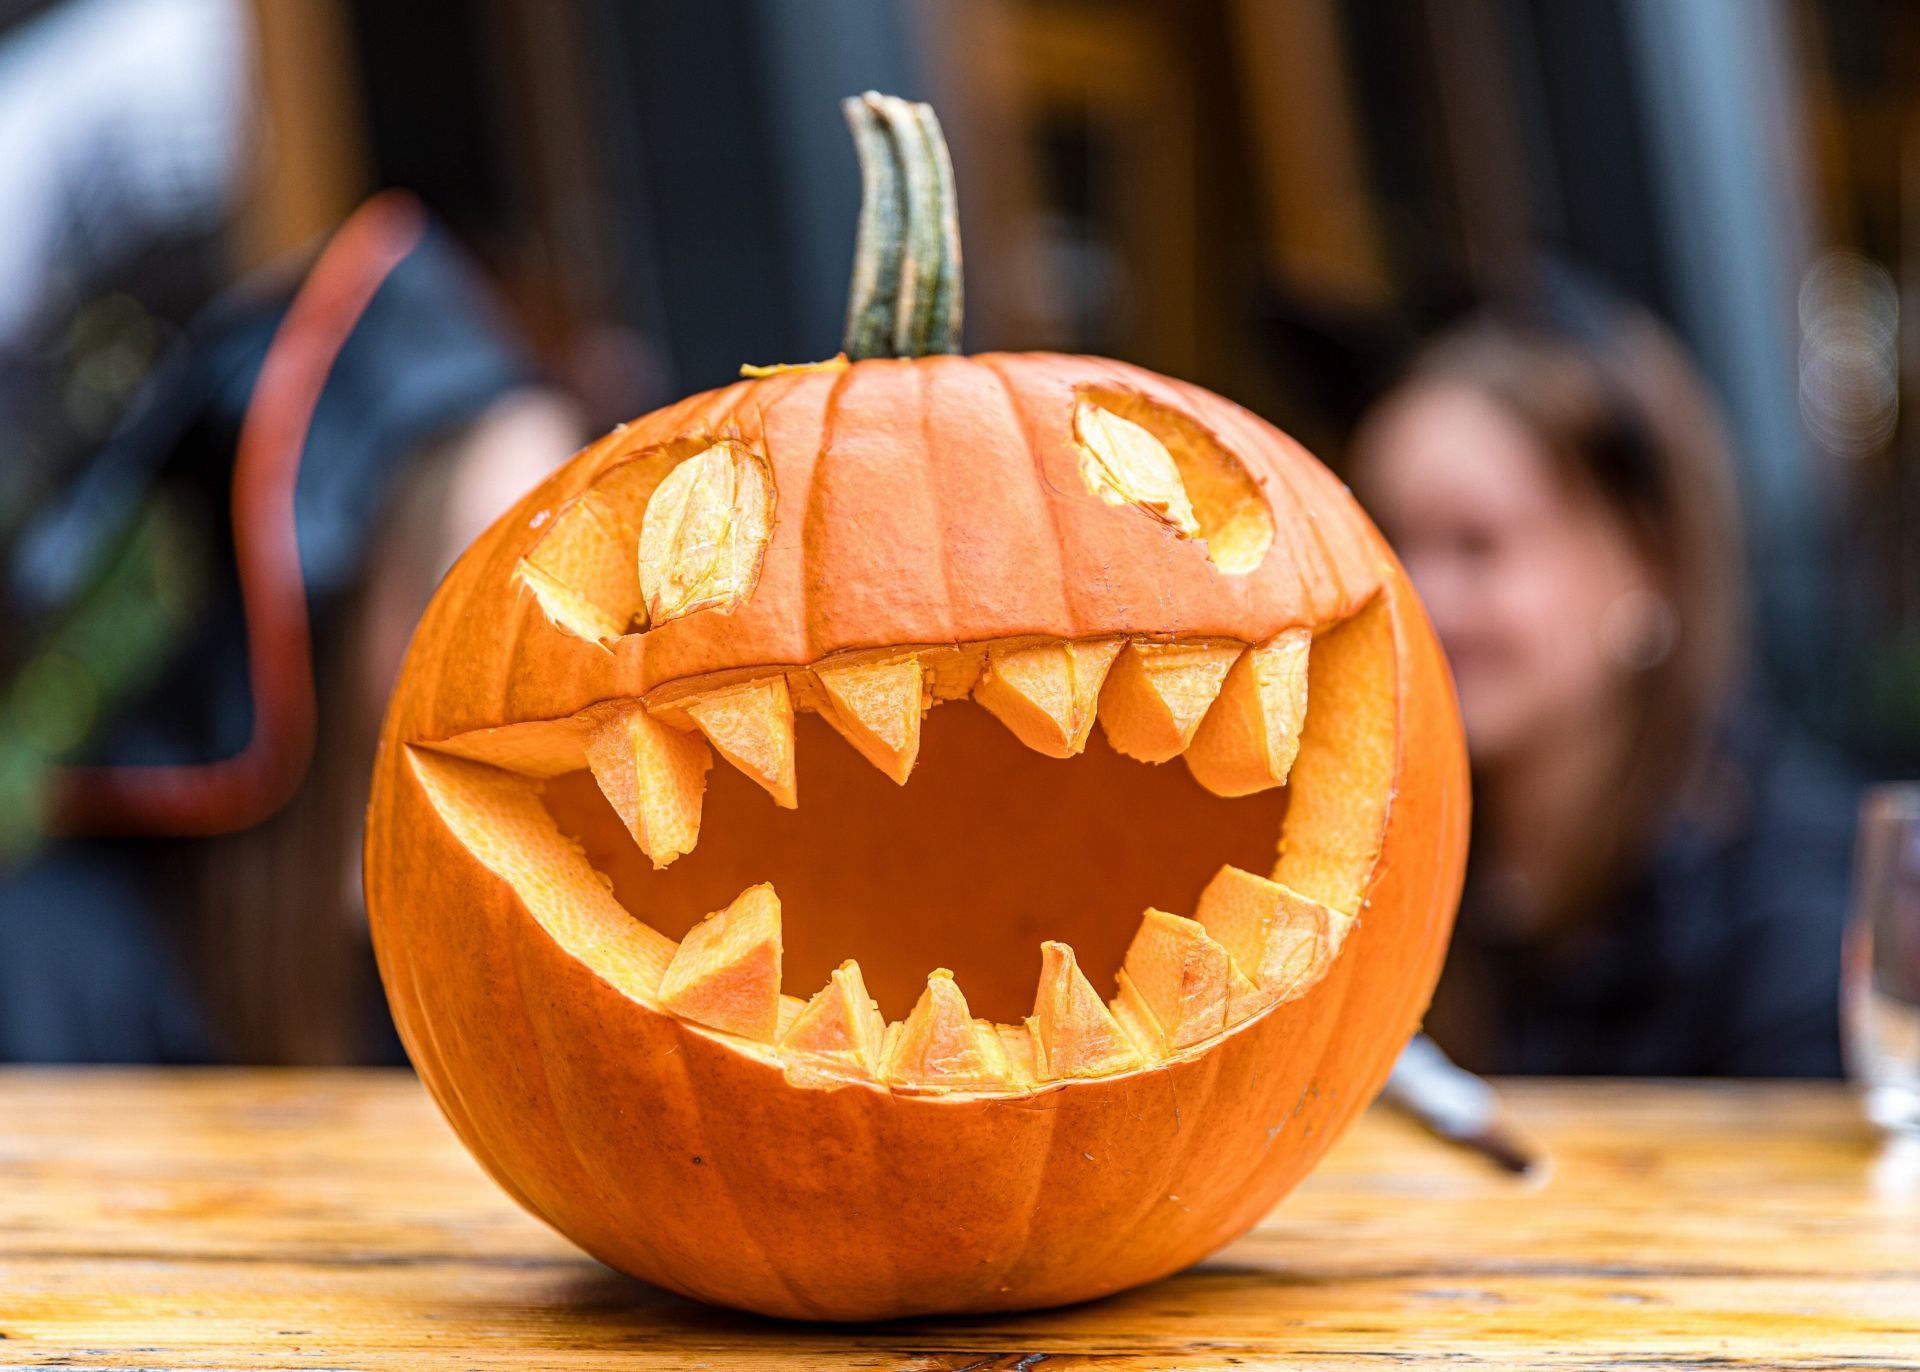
{"type": "Point", "coordinates": [905, 298]}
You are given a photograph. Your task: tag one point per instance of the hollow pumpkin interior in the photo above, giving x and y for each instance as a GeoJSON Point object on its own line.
{"type": "Point", "coordinates": [990, 849]}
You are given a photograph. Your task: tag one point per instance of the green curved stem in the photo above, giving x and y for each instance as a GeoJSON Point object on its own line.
{"type": "Point", "coordinates": [905, 299]}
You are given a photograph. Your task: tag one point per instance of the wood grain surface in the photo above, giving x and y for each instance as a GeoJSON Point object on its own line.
{"type": "Point", "coordinates": [329, 1220]}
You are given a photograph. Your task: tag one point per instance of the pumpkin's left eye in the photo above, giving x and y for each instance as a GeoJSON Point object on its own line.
{"type": "Point", "coordinates": [665, 534]}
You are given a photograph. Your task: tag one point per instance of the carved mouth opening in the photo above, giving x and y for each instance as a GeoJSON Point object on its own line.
{"type": "Point", "coordinates": [990, 849]}
{"type": "Point", "coordinates": [789, 859]}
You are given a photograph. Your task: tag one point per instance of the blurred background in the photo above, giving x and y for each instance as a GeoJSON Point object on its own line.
{"type": "Point", "coordinates": [624, 200]}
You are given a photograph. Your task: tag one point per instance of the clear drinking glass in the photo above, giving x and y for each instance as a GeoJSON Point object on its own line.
{"type": "Point", "coordinates": [1882, 970]}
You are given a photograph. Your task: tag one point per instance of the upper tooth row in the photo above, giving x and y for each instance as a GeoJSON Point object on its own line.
{"type": "Point", "coordinates": [1254, 944]}
{"type": "Point", "coordinates": [1234, 713]}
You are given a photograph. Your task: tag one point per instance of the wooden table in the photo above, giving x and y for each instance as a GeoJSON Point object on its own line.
{"type": "Point", "coordinates": [329, 1220]}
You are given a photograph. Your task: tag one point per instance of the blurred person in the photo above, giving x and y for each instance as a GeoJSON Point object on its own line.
{"type": "Point", "coordinates": [1658, 873]}
{"type": "Point", "coordinates": [195, 895]}
{"type": "Point", "coordinates": [196, 644]}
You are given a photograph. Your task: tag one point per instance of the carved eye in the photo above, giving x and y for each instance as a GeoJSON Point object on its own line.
{"type": "Point", "coordinates": [673, 531]}
{"type": "Point", "coordinates": [1134, 452]}
{"type": "Point", "coordinates": [704, 534]}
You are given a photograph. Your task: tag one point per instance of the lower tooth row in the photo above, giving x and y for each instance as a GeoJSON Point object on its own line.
{"type": "Point", "coordinates": [1235, 715]}
{"type": "Point", "coordinates": [1254, 944]}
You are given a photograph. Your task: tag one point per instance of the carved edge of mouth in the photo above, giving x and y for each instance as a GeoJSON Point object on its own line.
{"type": "Point", "coordinates": [1237, 713]}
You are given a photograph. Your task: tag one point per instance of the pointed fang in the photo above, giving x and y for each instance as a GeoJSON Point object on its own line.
{"type": "Point", "coordinates": [751, 726]}
{"type": "Point", "coordinates": [841, 1030]}
{"type": "Point", "coordinates": [727, 972]}
{"type": "Point", "coordinates": [654, 776]}
{"type": "Point", "coordinates": [1157, 694]}
{"type": "Point", "coordinates": [1074, 1033]}
{"type": "Point", "coordinates": [1047, 694]}
{"type": "Point", "coordinates": [877, 706]}
{"type": "Point", "coordinates": [942, 1047]}
{"type": "Point", "coordinates": [1248, 740]}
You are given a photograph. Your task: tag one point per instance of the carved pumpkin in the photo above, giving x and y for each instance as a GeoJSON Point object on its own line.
{"type": "Point", "coordinates": [844, 633]}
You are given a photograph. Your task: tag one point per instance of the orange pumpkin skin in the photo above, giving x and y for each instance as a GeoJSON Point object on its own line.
{"type": "Point", "coordinates": [933, 501]}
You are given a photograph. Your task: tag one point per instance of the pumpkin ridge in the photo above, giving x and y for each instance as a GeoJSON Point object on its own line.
{"type": "Point", "coordinates": [1028, 431]}
{"type": "Point", "coordinates": [765, 405]}
{"type": "Point", "coordinates": [1124, 1235]}
{"type": "Point", "coordinates": [550, 1099]}
{"type": "Point", "coordinates": [930, 457]}
{"type": "Point", "coordinates": [416, 1026]}
{"type": "Point", "coordinates": [1321, 1047]}
{"type": "Point", "coordinates": [1063, 1152]}
{"type": "Point", "coordinates": [813, 517]}
{"type": "Point", "coordinates": [866, 1109]}
{"type": "Point", "coordinates": [472, 1046]}
{"type": "Point", "coordinates": [559, 1116]}
{"type": "Point", "coordinates": [1040, 1169]}
{"type": "Point", "coordinates": [794, 463]}
{"type": "Point", "coordinates": [717, 1171]}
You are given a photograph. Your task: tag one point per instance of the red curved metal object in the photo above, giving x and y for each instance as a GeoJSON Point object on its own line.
{"type": "Point", "coordinates": [236, 792]}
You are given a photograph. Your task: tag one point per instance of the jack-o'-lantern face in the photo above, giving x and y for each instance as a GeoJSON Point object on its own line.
{"type": "Point", "coordinates": [993, 1007]}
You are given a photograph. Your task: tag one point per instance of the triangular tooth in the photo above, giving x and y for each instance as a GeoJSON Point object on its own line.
{"type": "Point", "coordinates": [727, 972]}
{"type": "Point", "coordinates": [876, 706]}
{"type": "Point", "coordinates": [751, 726]}
{"type": "Point", "coordinates": [1047, 694]}
{"type": "Point", "coordinates": [1157, 694]}
{"type": "Point", "coordinates": [1182, 976]}
{"type": "Point", "coordinates": [654, 776]}
{"type": "Point", "coordinates": [1248, 740]}
{"type": "Point", "coordinates": [841, 1028]}
{"type": "Point", "coordinates": [1074, 1034]}
{"type": "Point", "coordinates": [1279, 938]}
{"type": "Point", "coordinates": [940, 1044]}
